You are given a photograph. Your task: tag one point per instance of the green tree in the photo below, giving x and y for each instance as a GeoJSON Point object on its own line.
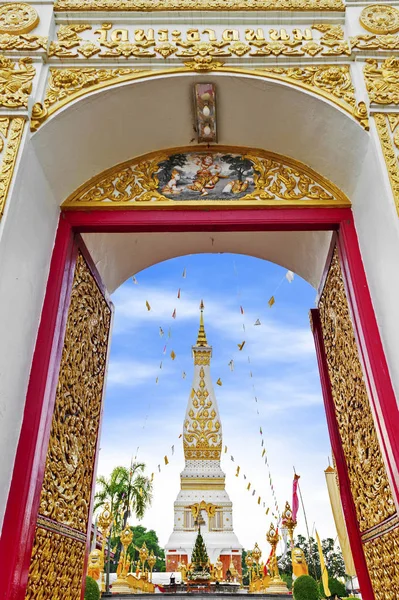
{"type": "Point", "coordinates": [92, 591]}
{"type": "Point", "coordinates": [199, 557]}
{"type": "Point", "coordinates": [140, 536]}
{"type": "Point", "coordinates": [128, 492]}
{"type": "Point", "coordinates": [245, 574]}
{"type": "Point", "coordinates": [305, 588]}
{"type": "Point", "coordinates": [333, 558]}
{"type": "Point", "coordinates": [335, 586]}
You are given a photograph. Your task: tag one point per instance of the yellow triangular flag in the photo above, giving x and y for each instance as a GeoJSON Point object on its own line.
{"type": "Point", "coordinates": [324, 572]}
{"type": "Point", "coordinates": [172, 355]}
{"type": "Point", "coordinates": [166, 460]}
{"type": "Point", "coordinates": [147, 305]}
{"type": "Point", "coordinates": [259, 500]}
{"type": "Point", "coordinates": [219, 382]}
{"type": "Point", "coordinates": [241, 346]}
{"type": "Point", "coordinates": [181, 435]}
{"type": "Point", "coordinates": [271, 301]}
{"type": "Point", "coordinates": [156, 381]}
{"type": "Point", "coordinates": [264, 452]}
{"type": "Point", "coordinates": [248, 486]}
{"type": "Point", "coordinates": [152, 476]}
{"type": "Point", "coordinates": [225, 449]}
{"type": "Point", "coordinates": [267, 512]}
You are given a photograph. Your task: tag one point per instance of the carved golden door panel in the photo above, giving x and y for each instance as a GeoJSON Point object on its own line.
{"type": "Point", "coordinates": [375, 509]}
{"type": "Point", "coordinates": [58, 554]}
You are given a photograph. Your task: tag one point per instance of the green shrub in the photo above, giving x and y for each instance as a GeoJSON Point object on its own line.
{"type": "Point", "coordinates": [287, 580]}
{"type": "Point", "coordinates": [336, 587]}
{"type": "Point", "coordinates": [92, 591]}
{"type": "Point", "coordinates": [305, 588]}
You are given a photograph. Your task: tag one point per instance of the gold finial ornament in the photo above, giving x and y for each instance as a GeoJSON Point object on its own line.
{"type": "Point", "coordinates": [17, 18]}
{"type": "Point", "coordinates": [288, 521]}
{"type": "Point", "coordinates": [380, 18]}
{"type": "Point", "coordinates": [201, 339]}
{"type": "Point", "coordinates": [277, 585]}
{"type": "Point", "coordinates": [121, 585]}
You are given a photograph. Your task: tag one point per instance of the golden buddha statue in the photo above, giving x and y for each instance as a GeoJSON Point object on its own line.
{"type": "Point", "coordinates": [96, 564]}
{"type": "Point", "coordinates": [219, 570]}
{"type": "Point", "coordinates": [299, 564]}
{"type": "Point", "coordinates": [182, 568]}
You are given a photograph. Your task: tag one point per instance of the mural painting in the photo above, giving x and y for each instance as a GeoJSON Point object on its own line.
{"type": "Point", "coordinates": [192, 176]}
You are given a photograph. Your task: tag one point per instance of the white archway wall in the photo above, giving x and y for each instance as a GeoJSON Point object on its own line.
{"type": "Point", "coordinates": [118, 256]}
{"type": "Point", "coordinates": [117, 124]}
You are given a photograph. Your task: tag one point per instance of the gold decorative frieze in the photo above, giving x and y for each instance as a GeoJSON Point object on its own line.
{"type": "Point", "coordinates": [388, 132]}
{"type": "Point", "coordinates": [202, 175]}
{"type": "Point", "coordinates": [369, 483]}
{"type": "Point", "coordinates": [382, 556]}
{"type": "Point", "coordinates": [382, 80]}
{"type": "Point", "coordinates": [196, 5]}
{"type": "Point", "coordinates": [27, 41]}
{"type": "Point", "coordinates": [15, 84]}
{"type": "Point", "coordinates": [11, 130]}
{"type": "Point", "coordinates": [17, 17]}
{"type": "Point", "coordinates": [371, 41]}
{"type": "Point", "coordinates": [57, 561]}
{"type": "Point", "coordinates": [380, 18]}
{"type": "Point", "coordinates": [177, 44]}
{"type": "Point", "coordinates": [332, 82]}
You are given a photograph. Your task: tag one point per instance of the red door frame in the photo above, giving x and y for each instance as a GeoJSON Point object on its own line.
{"type": "Point", "coordinates": [23, 500]}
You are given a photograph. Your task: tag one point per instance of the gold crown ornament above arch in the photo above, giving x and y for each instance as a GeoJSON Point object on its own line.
{"type": "Point", "coordinates": [198, 176]}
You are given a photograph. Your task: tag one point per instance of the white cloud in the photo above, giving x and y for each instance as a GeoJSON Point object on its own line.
{"type": "Point", "coordinates": [131, 373]}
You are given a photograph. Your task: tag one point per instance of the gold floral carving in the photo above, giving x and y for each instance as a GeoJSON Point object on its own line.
{"type": "Point", "coordinates": [195, 5]}
{"type": "Point", "coordinates": [388, 132]}
{"type": "Point", "coordinates": [380, 18]}
{"type": "Point", "coordinates": [278, 180]}
{"type": "Point", "coordinates": [11, 130]}
{"type": "Point", "coordinates": [202, 438]}
{"type": "Point", "coordinates": [28, 41]}
{"type": "Point", "coordinates": [15, 84]}
{"type": "Point", "coordinates": [332, 82]}
{"type": "Point", "coordinates": [202, 358]}
{"type": "Point", "coordinates": [17, 17]}
{"type": "Point", "coordinates": [382, 80]}
{"type": "Point", "coordinates": [382, 556]}
{"type": "Point", "coordinates": [56, 568]}
{"type": "Point", "coordinates": [371, 41]}
{"type": "Point", "coordinates": [66, 488]}
{"type": "Point", "coordinates": [368, 479]}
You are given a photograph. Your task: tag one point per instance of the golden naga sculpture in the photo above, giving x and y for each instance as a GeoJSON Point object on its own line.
{"type": "Point", "coordinates": [276, 584]}
{"type": "Point", "coordinates": [299, 564]}
{"type": "Point", "coordinates": [15, 84]}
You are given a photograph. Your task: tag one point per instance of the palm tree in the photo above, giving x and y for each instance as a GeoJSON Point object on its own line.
{"type": "Point", "coordinates": [128, 492]}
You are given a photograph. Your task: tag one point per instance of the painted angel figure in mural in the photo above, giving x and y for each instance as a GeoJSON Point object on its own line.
{"type": "Point", "coordinates": [207, 175]}
{"type": "Point", "coordinates": [171, 186]}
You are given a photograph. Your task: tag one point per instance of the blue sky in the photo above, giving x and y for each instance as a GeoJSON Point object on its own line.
{"type": "Point", "coordinates": [145, 415]}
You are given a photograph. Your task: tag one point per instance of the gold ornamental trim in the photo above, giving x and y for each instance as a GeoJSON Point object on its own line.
{"type": "Point", "coordinates": [197, 5]}
{"type": "Point", "coordinates": [17, 17]}
{"type": "Point", "coordinates": [202, 484]}
{"type": "Point", "coordinates": [388, 132]}
{"type": "Point", "coordinates": [331, 82]}
{"type": "Point", "coordinates": [380, 18]}
{"type": "Point", "coordinates": [383, 564]}
{"type": "Point", "coordinates": [382, 80]}
{"type": "Point", "coordinates": [385, 527]}
{"type": "Point", "coordinates": [11, 130]}
{"type": "Point", "coordinates": [16, 84]}
{"type": "Point", "coordinates": [278, 181]}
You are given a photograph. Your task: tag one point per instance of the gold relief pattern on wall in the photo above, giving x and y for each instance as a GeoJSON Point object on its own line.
{"type": "Point", "coordinates": [17, 17]}
{"type": "Point", "coordinates": [11, 130]}
{"type": "Point", "coordinates": [332, 82]}
{"type": "Point", "coordinates": [56, 567]}
{"type": "Point", "coordinates": [28, 41]}
{"type": "Point", "coordinates": [368, 479]}
{"type": "Point", "coordinates": [15, 83]}
{"type": "Point", "coordinates": [164, 43]}
{"type": "Point", "coordinates": [382, 80]}
{"type": "Point", "coordinates": [148, 181]}
{"type": "Point", "coordinates": [66, 488]}
{"type": "Point", "coordinates": [195, 5]}
{"type": "Point", "coordinates": [380, 18]}
{"type": "Point", "coordinates": [388, 132]}
{"type": "Point", "coordinates": [382, 556]}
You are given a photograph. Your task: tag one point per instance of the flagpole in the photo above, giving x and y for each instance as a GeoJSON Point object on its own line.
{"type": "Point", "coordinates": [307, 529]}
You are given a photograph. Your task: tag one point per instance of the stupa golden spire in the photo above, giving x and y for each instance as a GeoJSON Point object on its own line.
{"type": "Point", "coordinates": [201, 339]}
